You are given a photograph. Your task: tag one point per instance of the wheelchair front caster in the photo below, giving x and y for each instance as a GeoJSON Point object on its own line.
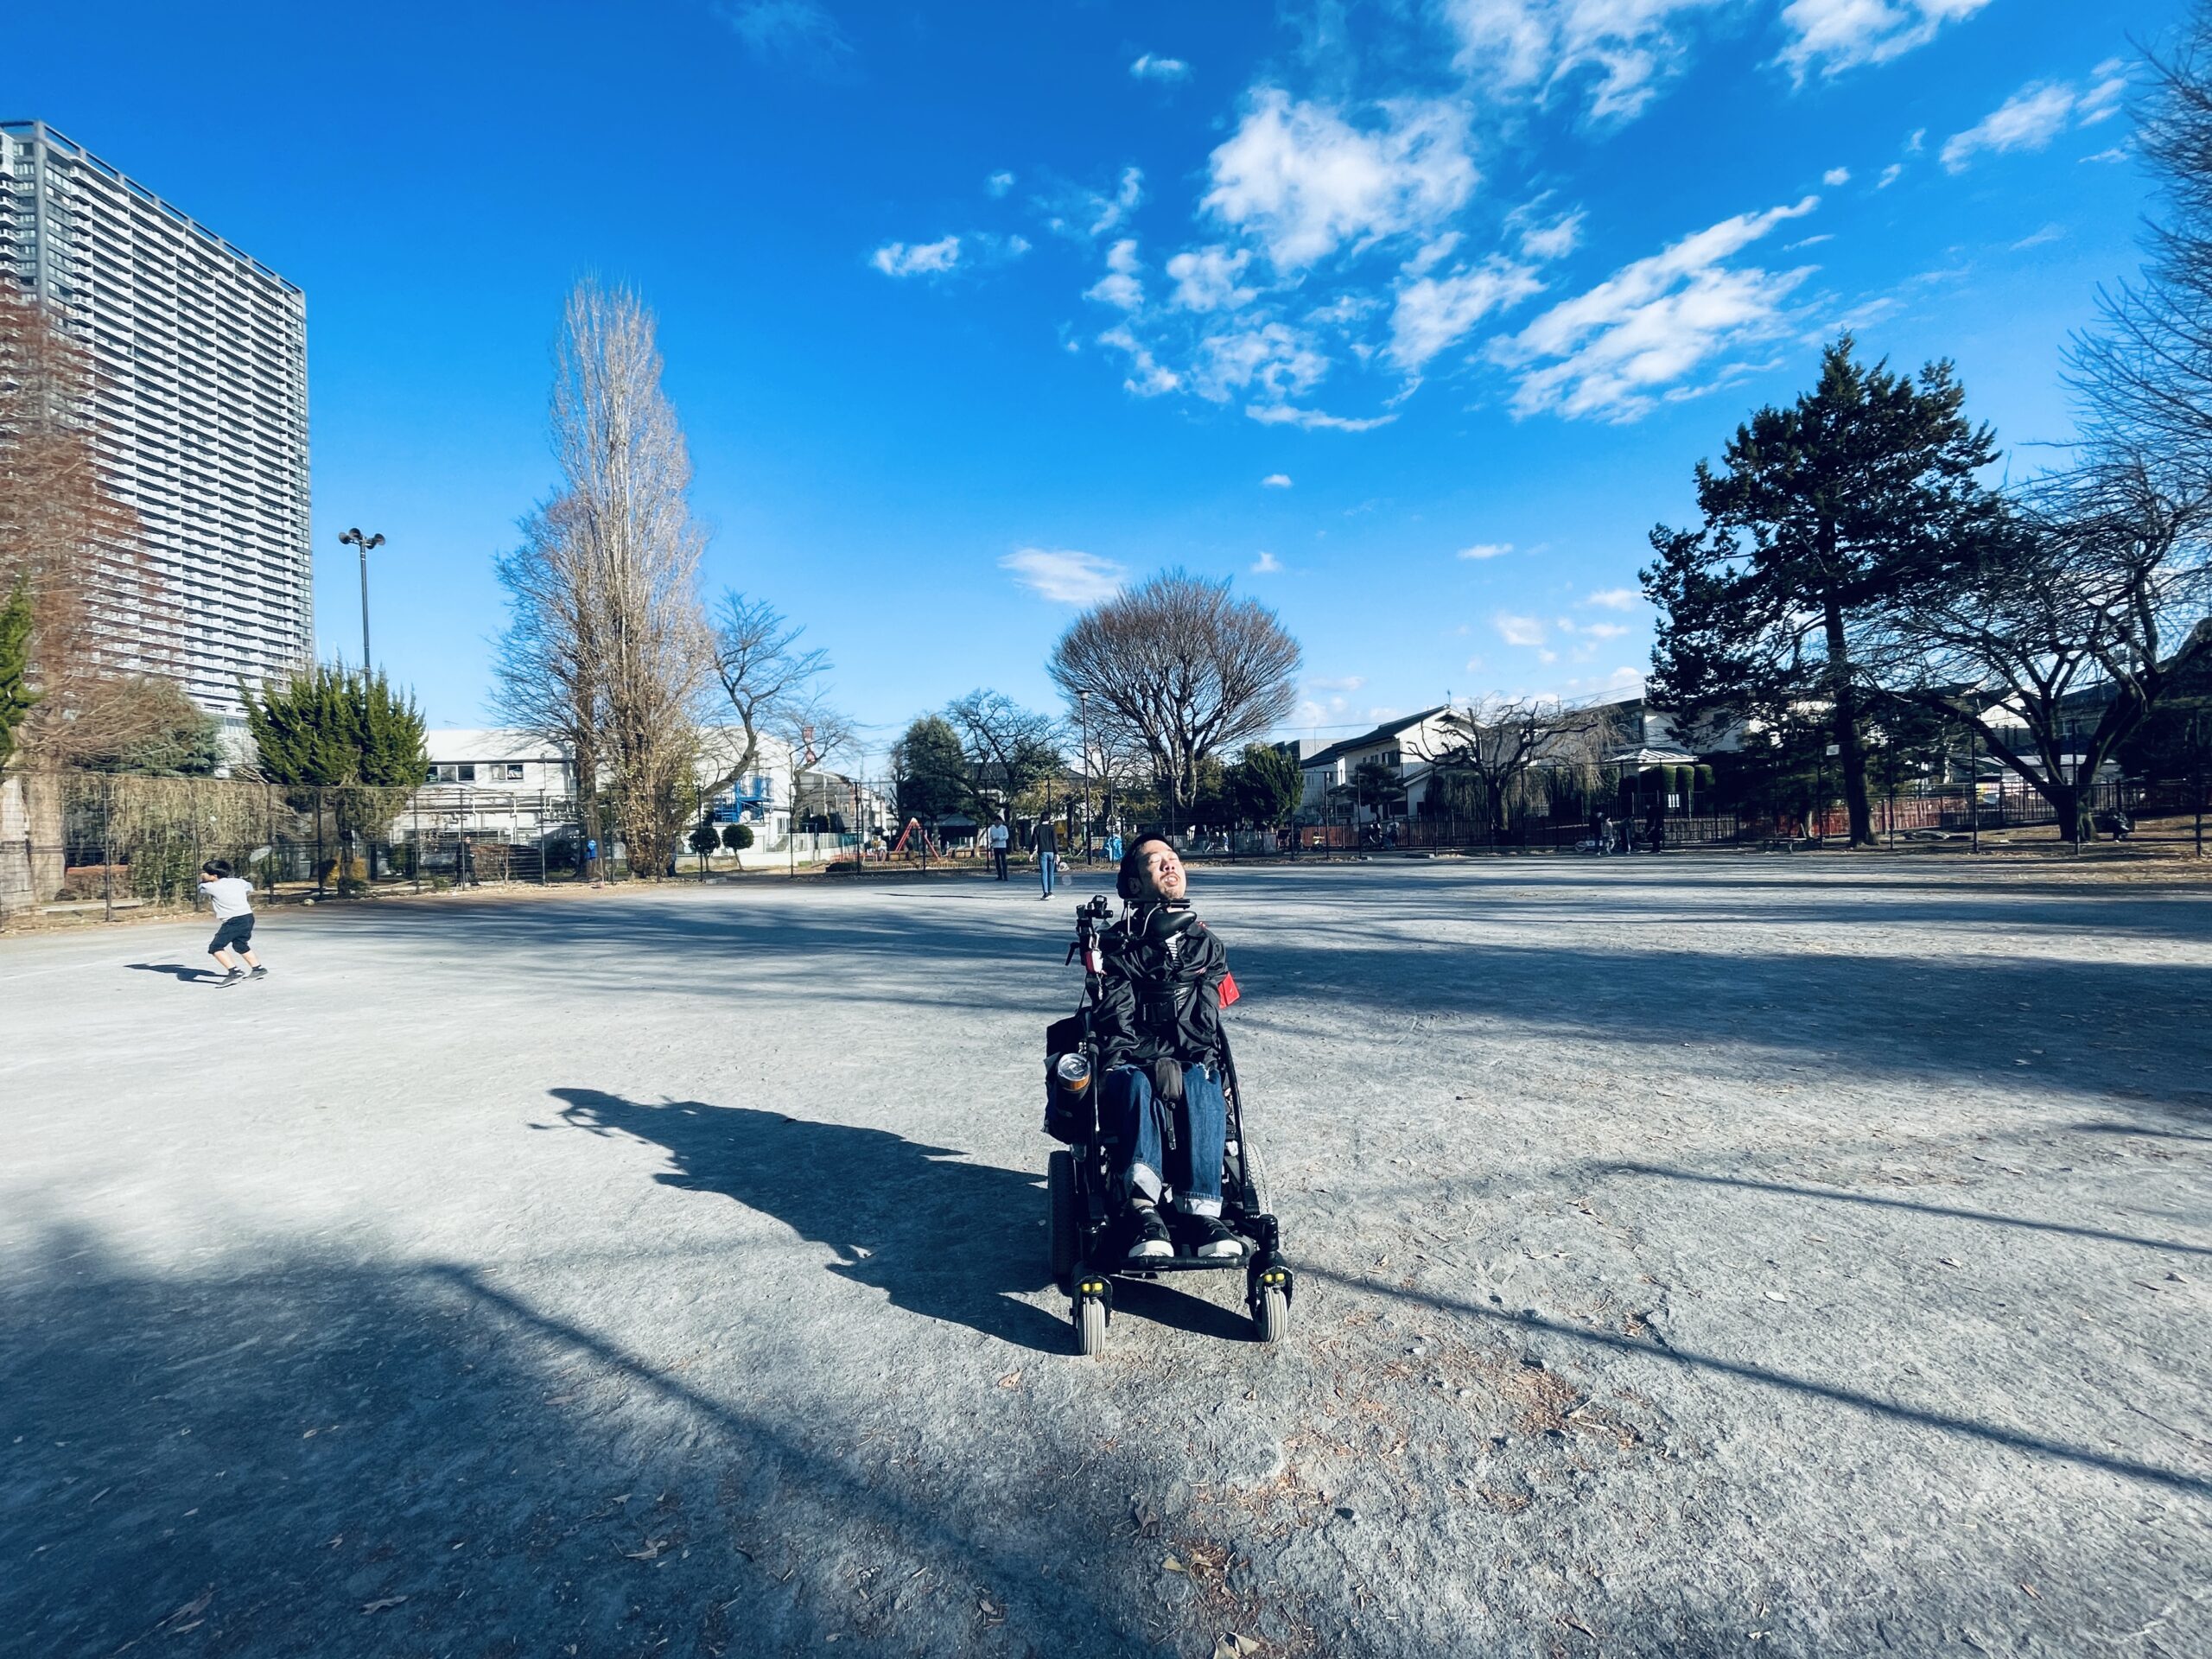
{"type": "Point", "coordinates": [1093, 1304]}
{"type": "Point", "coordinates": [1269, 1294]}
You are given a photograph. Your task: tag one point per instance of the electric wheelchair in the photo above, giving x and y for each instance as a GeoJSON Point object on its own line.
{"type": "Point", "coordinates": [1086, 1210]}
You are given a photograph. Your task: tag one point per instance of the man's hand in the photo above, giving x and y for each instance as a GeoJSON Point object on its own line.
{"type": "Point", "coordinates": [1168, 1080]}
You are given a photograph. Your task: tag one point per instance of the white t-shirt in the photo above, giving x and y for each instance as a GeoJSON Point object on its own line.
{"type": "Point", "coordinates": [230, 896]}
{"type": "Point", "coordinates": [996, 836]}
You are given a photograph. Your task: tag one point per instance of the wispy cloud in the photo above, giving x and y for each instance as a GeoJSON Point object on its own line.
{"type": "Point", "coordinates": [1613, 598]}
{"type": "Point", "coordinates": [1119, 286]}
{"type": "Point", "coordinates": [1275, 481]}
{"type": "Point", "coordinates": [1836, 177]}
{"type": "Point", "coordinates": [1210, 278]}
{"type": "Point", "coordinates": [2038, 113]}
{"type": "Point", "coordinates": [1304, 180]}
{"type": "Point", "coordinates": [1147, 377]}
{"type": "Point", "coordinates": [1486, 551]}
{"type": "Point", "coordinates": [1266, 565]}
{"type": "Point", "coordinates": [1149, 67]}
{"type": "Point", "coordinates": [1437, 312]}
{"type": "Point", "coordinates": [1888, 175]}
{"type": "Point", "coordinates": [1063, 576]}
{"type": "Point", "coordinates": [1523, 631]}
{"type": "Point", "coordinates": [799, 33]}
{"type": "Point", "coordinates": [1830, 36]}
{"type": "Point", "coordinates": [948, 255]}
{"type": "Point", "coordinates": [1622, 49]}
{"type": "Point", "coordinates": [1314, 420]}
{"type": "Point", "coordinates": [1605, 629]}
{"type": "Point", "coordinates": [1614, 350]}
{"type": "Point", "coordinates": [922, 259]}
{"type": "Point", "coordinates": [2037, 238]}
{"type": "Point", "coordinates": [998, 184]}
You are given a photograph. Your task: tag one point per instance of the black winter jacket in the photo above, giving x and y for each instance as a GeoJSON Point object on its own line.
{"type": "Point", "coordinates": [1160, 992]}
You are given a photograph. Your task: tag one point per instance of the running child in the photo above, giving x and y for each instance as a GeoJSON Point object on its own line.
{"type": "Point", "coordinates": [233, 902]}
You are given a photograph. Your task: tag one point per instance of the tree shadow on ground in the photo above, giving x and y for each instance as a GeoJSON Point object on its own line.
{"type": "Point", "coordinates": [2193, 1484]}
{"type": "Point", "coordinates": [301, 1455]}
{"type": "Point", "coordinates": [940, 1236]}
{"type": "Point", "coordinates": [1837, 1195]}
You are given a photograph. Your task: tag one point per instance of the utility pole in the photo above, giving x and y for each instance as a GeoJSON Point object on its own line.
{"type": "Point", "coordinates": [354, 538]}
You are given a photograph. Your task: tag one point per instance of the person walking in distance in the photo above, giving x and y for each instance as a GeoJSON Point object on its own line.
{"type": "Point", "coordinates": [1048, 855]}
{"type": "Point", "coordinates": [996, 836]}
{"type": "Point", "coordinates": [233, 903]}
{"type": "Point", "coordinates": [591, 858]}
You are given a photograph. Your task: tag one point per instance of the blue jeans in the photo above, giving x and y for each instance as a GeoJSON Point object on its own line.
{"type": "Point", "coordinates": [1127, 1113]}
{"type": "Point", "coordinates": [1046, 864]}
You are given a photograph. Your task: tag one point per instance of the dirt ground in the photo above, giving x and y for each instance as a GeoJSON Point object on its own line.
{"type": "Point", "coordinates": [1697, 1254]}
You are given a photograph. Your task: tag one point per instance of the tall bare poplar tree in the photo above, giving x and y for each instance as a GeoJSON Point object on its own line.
{"type": "Point", "coordinates": [73, 546]}
{"type": "Point", "coordinates": [608, 649]}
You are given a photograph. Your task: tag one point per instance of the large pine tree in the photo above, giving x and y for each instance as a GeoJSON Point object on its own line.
{"type": "Point", "coordinates": [1822, 517]}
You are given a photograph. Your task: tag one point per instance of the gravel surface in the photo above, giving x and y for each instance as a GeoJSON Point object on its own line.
{"type": "Point", "coordinates": [1792, 1255]}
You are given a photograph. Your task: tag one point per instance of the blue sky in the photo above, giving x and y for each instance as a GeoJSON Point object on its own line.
{"type": "Point", "coordinates": [1413, 317]}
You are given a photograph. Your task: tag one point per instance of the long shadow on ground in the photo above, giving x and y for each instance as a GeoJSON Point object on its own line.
{"type": "Point", "coordinates": [309, 1456]}
{"type": "Point", "coordinates": [940, 1236]}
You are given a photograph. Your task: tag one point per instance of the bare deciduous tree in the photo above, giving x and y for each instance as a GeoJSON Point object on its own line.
{"type": "Point", "coordinates": [1180, 669]}
{"type": "Point", "coordinates": [1009, 748]}
{"type": "Point", "coordinates": [2102, 576]}
{"type": "Point", "coordinates": [1506, 745]}
{"type": "Point", "coordinates": [608, 648]}
{"type": "Point", "coordinates": [761, 668]}
{"type": "Point", "coordinates": [78, 551]}
{"type": "Point", "coordinates": [2144, 374]}
{"type": "Point", "coordinates": [810, 732]}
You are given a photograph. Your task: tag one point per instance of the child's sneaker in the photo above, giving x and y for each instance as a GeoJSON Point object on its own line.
{"type": "Point", "coordinates": [236, 976]}
{"type": "Point", "coordinates": [259, 973]}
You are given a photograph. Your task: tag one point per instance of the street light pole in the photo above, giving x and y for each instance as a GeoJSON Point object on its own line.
{"type": "Point", "coordinates": [354, 538]}
{"type": "Point", "coordinates": [1083, 705]}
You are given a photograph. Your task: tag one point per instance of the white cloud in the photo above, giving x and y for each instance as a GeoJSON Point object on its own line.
{"type": "Point", "coordinates": [1613, 598]}
{"type": "Point", "coordinates": [923, 259]}
{"type": "Point", "coordinates": [1119, 286]}
{"type": "Point", "coordinates": [2102, 101]}
{"type": "Point", "coordinates": [1149, 67]}
{"type": "Point", "coordinates": [1313, 419]}
{"type": "Point", "coordinates": [2037, 238]}
{"type": "Point", "coordinates": [2115, 154]}
{"type": "Point", "coordinates": [1486, 551]}
{"type": "Point", "coordinates": [1304, 181]}
{"type": "Point", "coordinates": [1266, 565]}
{"type": "Point", "coordinates": [1275, 481]}
{"type": "Point", "coordinates": [1836, 177]}
{"type": "Point", "coordinates": [1126, 197]}
{"type": "Point", "coordinates": [998, 184]}
{"type": "Point", "coordinates": [1611, 351]}
{"type": "Point", "coordinates": [1346, 682]}
{"type": "Point", "coordinates": [1474, 665]}
{"type": "Point", "coordinates": [1271, 359]}
{"type": "Point", "coordinates": [790, 31]}
{"type": "Point", "coordinates": [1063, 576]}
{"type": "Point", "coordinates": [1834, 36]}
{"type": "Point", "coordinates": [2028, 120]}
{"type": "Point", "coordinates": [1605, 630]}
{"type": "Point", "coordinates": [1627, 46]}
{"type": "Point", "coordinates": [1207, 279]}
{"type": "Point", "coordinates": [1555, 241]}
{"type": "Point", "coordinates": [1888, 175]}
{"type": "Point", "coordinates": [1148, 377]}
{"type": "Point", "coordinates": [1435, 311]}
{"type": "Point", "coordinates": [1524, 630]}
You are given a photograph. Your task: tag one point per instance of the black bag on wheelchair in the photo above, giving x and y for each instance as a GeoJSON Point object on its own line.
{"type": "Point", "coordinates": [1070, 1082]}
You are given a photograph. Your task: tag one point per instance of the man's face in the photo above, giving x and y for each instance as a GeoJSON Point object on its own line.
{"type": "Point", "coordinates": [1163, 872]}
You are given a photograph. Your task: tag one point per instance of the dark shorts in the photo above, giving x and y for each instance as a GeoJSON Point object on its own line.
{"type": "Point", "coordinates": [231, 935]}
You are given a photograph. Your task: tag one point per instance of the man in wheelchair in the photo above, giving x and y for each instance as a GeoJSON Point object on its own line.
{"type": "Point", "coordinates": [1158, 1024]}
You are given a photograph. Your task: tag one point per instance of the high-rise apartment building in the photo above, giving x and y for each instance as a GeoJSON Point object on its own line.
{"type": "Point", "coordinates": [199, 405]}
